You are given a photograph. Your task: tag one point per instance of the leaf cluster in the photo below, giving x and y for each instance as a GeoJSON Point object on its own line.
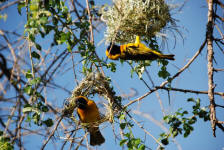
{"type": "Point", "coordinates": [180, 124]}
{"type": "Point", "coordinates": [34, 114]}
{"type": "Point", "coordinates": [5, 143]}
{"type": "Point", "coordinates": [130, 141]}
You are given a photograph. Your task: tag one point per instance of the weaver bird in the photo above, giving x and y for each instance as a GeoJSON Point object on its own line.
{"type": "Point", "coordinates": [89, 113]}
{"type": "Point", "coordinates": [134, 51]}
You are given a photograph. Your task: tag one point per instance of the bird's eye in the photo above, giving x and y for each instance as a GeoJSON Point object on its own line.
{"type": "Point", "coordinates": [66, 102]}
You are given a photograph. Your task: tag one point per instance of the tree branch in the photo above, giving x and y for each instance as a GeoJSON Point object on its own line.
{"type": "Point", "coordinates": [219, 3]}
{"type": "Point", "coordinates": [210, 57]}
{"type": "Point", "coordinates": [9, 4]}
{"type": "Point", "coordinates": [188, 91]}
{"type": "Point", "coordinates": [173, 77]}
{"type": "Point", "coordinates": [52, 133]}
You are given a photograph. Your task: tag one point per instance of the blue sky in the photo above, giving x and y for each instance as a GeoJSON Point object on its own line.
{"type": "Point", "coordinates": [192, 22]}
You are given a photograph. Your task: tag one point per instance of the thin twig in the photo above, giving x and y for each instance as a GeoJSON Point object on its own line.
{"type": "Point", "coordinates": [52, 133]}
{"type": "Point", "coordinates": [220, 48]}
{"type": "Point", "coordinates": [188, 91]}
{"type": "Point", "coordinates": [91, 34]}
{"type": "Point", "coordinates": [220, 32]}
{"type": "Point", "coordinates": [147, 132]}
{"type": "Point", "coordinates": [216, 70]}
{"type": "Point", "coordinates": [187, 65]}
{"type": "Point", "coordinates": [221, 122]}
{"type": "Point", "coordinates": [219, 3]}
{"type": "Point", "coordinates": [9, 4]}
{"type": "Point", "coordinates": [157, 93]}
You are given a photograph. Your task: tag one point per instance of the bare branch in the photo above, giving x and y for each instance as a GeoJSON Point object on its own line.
{"type": "Point", "coordinates": [210, 58]}
{"type": "Point", "coordinates": [219, 3]}
{"type": "Point", "coordinates": [216, 70]}
{"type": "Point", "coordinates": [147, 132]}
{"type": "Point", "coordinates": [188, 91]}
{"type": "Point", "coordinates": [52, 133]}
{"type": "Point", "coordinates": [9, 4]}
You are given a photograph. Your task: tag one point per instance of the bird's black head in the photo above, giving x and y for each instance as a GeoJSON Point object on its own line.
{"type": "Point", "coordinates": [113, 49]}
{"type": "Point", "coordinates": [81, 102]}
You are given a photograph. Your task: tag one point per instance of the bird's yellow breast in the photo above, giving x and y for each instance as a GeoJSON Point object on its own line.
{"type": "Point", "coordinates": [90, 114]}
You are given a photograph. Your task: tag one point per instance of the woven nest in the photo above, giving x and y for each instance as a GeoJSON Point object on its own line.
{"type": "Point", "coordinates": [95, 83]}
{"type": "Point", "coordinates": [128, 18]}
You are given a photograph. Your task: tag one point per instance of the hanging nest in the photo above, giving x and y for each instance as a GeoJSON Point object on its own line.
{"type": "Point", "coordinates": [127, 18]}
{"type": "Point", "coordinates": [95, 83]}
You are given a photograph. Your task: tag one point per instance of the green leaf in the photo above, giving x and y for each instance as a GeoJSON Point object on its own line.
{"type": "Point", "coordinates": [179, 114]}
{"type": "Point", "coordinates": [6, 145]}
{"type": "Point", "coordinates": [31, 109]}
{"type": "Point", "coordinates": [141, 147]}
{"type": "Point", "coordinates": [64, 37]}
{"type": "Point", "coordinates": [163, 73]}
{"type": "Point", "coordinates": [165, 118]}
{"type": "Point", "coordinates": [130, 145]}
{"type": "Point", "coordinates": [28, 89]}
{"type": "Point", "coordinates": [69, 48]}
{"type": "Point", "coordinates": [165, 141]}
{"type": "Point", "coordinates": [127, 135]}
{"type": "Point", "coordinates": [49, 122]}
{"type": "Point", "coordinates": [35, 55]}
{"type": "Point", "coordinates": [28, 74]}
{"type": "Point", "coordinates": [164, 62]}
{"type": "Point", "coordinates": [21, 4]}
{"type": "Point", "coordinates": [35, 81]}
{"type": "Point", "coordinates": [175, 133]}
{"type": "Point", "coordinates": [122, 142]}
{"type": "Point", "coordinates": [122, 116]}
{"type": "Point", "coordinates": [192, 120]}
{"type": "Point", "coordinates": [179, 109]}
{"type": "Point", "coordinates": [123, 125]}
{"type": "Point", "coordinates": [185, 112]}
{"type": "Point", "coordinates": [3, 16]}
{"type": "Point", "coordinates": [36, 118]}
{"type": "Point", "coordinates": [198, 103]}
{"type": "Point", "coordinates": [161, 148]}
{"type": "Point", "coordinates": [137, 141]}
{"type": "Point", "coordinates": [48, 28]}
{"type": "Point", "coordinates": [45, 109]}
{"type": "Point", "coordinates": [190, 100]}
{"type": "Point", "coordinates": [163, 134]}
{"type": "Point", "coordinates": [38, 46]}
{"type": "Point", "coordinates": [34, 7]}
{"type": "Point", "coordinates": [195, 111]}
{"type": "Point", "coordinates": [187, 132]}
{"type": "Point", "coordinates": [112, 66]}
{"type": "Point", "coordinates": [28, 118]}
{"type": "Point", "coordinates": [43, 20]}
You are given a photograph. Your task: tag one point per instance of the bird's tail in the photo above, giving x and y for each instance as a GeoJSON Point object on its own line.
{"type": "Point", "coordinates": [96, 138]}
{"type": "Point", "coordinates": [170, 57]}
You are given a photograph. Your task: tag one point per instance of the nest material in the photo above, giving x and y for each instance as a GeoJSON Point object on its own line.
{"type": "Point", "coordinates": [95, 83]}
{"type": "Point", "coordinates": [128, 18]}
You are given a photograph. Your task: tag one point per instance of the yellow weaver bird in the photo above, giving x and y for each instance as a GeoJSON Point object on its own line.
{"type": "Point", "coordinates": [134, 51]}
{"type": "Point", "coordinates": [89, 113]}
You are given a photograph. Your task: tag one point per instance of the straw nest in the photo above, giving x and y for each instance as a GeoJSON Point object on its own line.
{"type": "Point", "coordinates": [95, 83]}
{"type": "Point", "coordinates": [127, 18]}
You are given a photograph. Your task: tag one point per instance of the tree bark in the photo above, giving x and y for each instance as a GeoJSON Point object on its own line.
{"type": "Point", "coordinates": [209, 35]}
